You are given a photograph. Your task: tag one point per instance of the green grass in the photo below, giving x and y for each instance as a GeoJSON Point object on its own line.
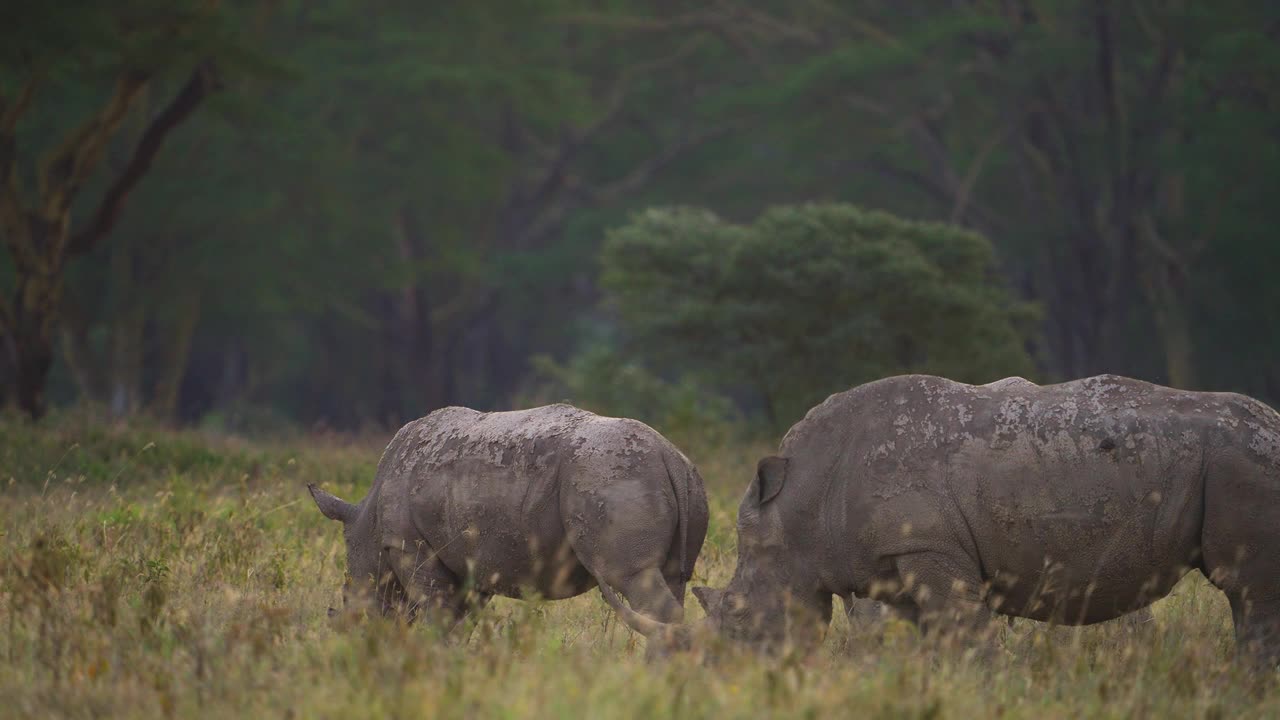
{"type": "Point", "coordinates": [149, 573]}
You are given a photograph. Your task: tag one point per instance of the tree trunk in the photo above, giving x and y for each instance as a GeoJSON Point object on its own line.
{"type": "Point", "coordinates": [32, 362]}
{"type": "Point", "coordinates": [1179, 354]}
{"type": "Point", "coordinates": [1163, 271]}
{"type": "Point", "coordinates": [169, 386]}
{"type": "Point", "coordinates": [86, 370]}
{"type": "Point", "coordinates": [33, 316]}
{"type": "Point", "coordinates": [6, 372]}
{"type": "Point", "coordinates": [1171, 322]}
{"type": "Point", "coordinates": [31, 350]}
{"type": "Point", "coordinates": [126, 335]}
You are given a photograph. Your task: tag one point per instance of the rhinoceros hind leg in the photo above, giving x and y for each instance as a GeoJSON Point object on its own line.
{"type": "Point", "coordinates": [674, 576]}
{"type": "Point", "coordinates": [647, 592]}
{"type": "Point", "coordinates": [630, 553]}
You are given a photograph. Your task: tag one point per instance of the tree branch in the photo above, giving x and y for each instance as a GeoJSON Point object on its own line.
{"type": "Point", "coordinates": [1162, 249]}
{"type": "Point", "coordinates": [201, 84]}
{"type": "Point", "coordinates": [6, 315]}
{"type": "Point", "coordinates": [685, 21]}
{"type": "Point", "coordinates": [549, 218]}
{"type": "Point", "coordinates": [626, 78]}
{"type": "Point", "coordinates": [553, 180]}
{"type": "Point", "coordinates": [858, 101]}
{"type": "Point", "coordinates": [67, 167]}
{"type": "Point", "coordinates": [642, 173]}
{"type": "Point", "coordinates": [964, 190]}
{"type": "Point", "coordinates": [930, 187]}
{"type": "Point", "coordinates": [935, 150]}
{"type": "Point", "coordinates": [9, 116]}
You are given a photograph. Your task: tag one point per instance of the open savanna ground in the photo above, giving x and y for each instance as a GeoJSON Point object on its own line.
{"type": "Point", "coordinates": [149, 573]}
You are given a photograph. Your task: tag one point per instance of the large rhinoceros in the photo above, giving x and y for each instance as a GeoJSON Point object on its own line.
{"type": "Point", "coordinates": [555, 500]}
{"type": "Point", "coordinates": [1076, 503]}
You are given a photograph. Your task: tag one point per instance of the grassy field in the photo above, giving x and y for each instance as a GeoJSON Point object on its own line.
{"type": "Point", "coordinates": [152, 574]}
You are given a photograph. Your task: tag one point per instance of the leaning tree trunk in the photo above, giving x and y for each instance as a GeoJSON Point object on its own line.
{"type": "Point", "coordinates": [128, 324]}
{"type": "Point", "coordinates": [168, 389]}
{"type": "Point", "coordinates": [87, 370]}
{"type": "Point", "coordinates": [1163, 276]}
{"type": "Point", "coordinates": [1169, 312]}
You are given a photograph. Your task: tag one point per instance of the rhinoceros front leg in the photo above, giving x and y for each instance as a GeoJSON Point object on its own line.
{"type": "Point", "coordinates": [946, 591]}
{"type": "Point", "coordinates": [1257, 626]}
{"type": "Point", "coordinates": [866, 613]}
{"type": "Point", "coordinates": [430, 588]}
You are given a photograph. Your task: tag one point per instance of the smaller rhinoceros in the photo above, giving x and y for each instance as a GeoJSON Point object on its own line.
{"type": "Point", "coordinates": [553, 500]}
{"type": "Point", "coordinates": [1076, 503]}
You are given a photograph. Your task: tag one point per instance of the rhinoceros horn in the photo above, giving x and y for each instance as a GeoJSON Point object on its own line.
{"type": "Point", "coordinates": [333, 507]}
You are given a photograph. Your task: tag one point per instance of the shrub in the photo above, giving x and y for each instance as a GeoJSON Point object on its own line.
{"type": "Point", "coordinates": [810, 300]}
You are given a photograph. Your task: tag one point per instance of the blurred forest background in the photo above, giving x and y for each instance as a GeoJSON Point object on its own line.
{"type": "Point", "coordinates": [265, 214]}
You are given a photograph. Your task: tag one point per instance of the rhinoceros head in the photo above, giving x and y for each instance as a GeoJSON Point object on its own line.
{"type": "Point", "coordinates": [362, 549]}
{"type": "Point", "coordinates": [770, 601]}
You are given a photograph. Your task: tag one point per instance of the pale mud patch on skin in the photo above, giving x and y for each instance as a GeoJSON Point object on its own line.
{"type": "Point", "coordinates": [1010, 420]}
{"type": "Point", "coordinates": [901, 422]}
{"type": "Point", "coordinates": [935, 392]}
{"type": "Point", "coordinates": [881, 451]}
{"type": "Point", "coordinates": [1010, 383]}
{"type": "Point", "coordinates": [1265, 442]}
{"type": "Point", "coordinates": [1097, 390]}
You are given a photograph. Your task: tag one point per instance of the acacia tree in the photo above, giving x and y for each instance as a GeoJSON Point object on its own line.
{"type": "Point", "coordinates": [64, 56]}
{"type": "Point", "coordinates": [810, 300]}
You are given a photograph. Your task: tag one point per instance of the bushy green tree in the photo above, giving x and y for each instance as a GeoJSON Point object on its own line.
{"type": "Point", "coordinates": [810, 300]}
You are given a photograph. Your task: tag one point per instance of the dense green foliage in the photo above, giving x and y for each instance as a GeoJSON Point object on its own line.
{"type": "Point", "coordinates": [372, 214]}
{"type": "Point", "coordinates": [602, 379]}
{"type": "Point", "coordinates": [170, 575]}
{"type": "Point", "coordinates": [811, 300]}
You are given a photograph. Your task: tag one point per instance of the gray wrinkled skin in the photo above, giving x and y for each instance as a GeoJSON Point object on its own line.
{"type": "Point", "coordinates": [553, 500]}
{"type": "Point", "coordinates": [1074, 503]}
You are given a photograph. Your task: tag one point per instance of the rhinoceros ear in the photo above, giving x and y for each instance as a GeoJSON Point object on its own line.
{"type": "Point", "coordinates": [709, 599]}
{"type": "Point", "coordinates": [771, 472]}
{"type": "Point", "coordinates": [334, 508]}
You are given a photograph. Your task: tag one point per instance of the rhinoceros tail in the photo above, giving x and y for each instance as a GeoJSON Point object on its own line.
{"type": "Point", "coordinates": [680, 484]}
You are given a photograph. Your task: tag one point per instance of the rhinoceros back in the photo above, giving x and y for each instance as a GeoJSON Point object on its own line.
{"type": "Point", "coordinates": [457, 458]}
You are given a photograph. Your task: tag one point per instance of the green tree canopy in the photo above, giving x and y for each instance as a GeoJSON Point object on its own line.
{"type": "Point", "coordinates": [811, 299]}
